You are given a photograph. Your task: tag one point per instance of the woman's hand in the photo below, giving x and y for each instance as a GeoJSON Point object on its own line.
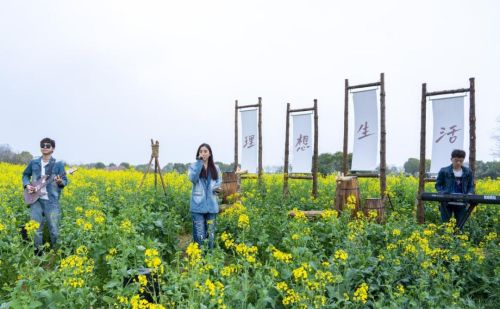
{"type": "Point", "coordinates": [203, 157]}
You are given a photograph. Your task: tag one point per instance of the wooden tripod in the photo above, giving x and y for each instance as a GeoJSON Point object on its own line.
{"type": "Point", "coordinates": [155, 153]}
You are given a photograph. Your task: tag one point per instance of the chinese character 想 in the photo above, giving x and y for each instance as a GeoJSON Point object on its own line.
{"type": "Point", "coordinates": [302, 143]}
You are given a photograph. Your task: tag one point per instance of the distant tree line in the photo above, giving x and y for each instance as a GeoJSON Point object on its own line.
{"type": "Point", "coordinates": [9, 156]}
{"type": "Point", "coordinates": [328, 163]}
{"type": "Point", "coordinates": [483, 169]}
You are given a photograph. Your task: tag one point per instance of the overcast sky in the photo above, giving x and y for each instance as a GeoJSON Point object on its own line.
{"type": "Point", "coordinates": [103, 77]}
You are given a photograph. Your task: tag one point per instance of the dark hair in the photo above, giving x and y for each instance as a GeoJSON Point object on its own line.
{"type": "Point", "coordinates": [211, 164]}
{"type": "Point", "coordinates": [48, 140]}
{"type": "Point", "coordinates": [457, 153]}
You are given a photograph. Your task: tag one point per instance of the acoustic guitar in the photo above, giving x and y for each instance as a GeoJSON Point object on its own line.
{"type": "Point", "coordinates": [32, 197]}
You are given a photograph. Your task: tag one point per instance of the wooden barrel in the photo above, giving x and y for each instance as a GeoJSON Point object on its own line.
{"type": "Point", "coordinates": [375, 204]}
{"type": "Point", "coordinates": [229, 185]}
{"type": "Point", "coordinates": [346, 186]}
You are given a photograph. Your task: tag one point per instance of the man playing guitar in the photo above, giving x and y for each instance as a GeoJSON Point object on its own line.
{"type": "Point", "coordinates": [45, 207]}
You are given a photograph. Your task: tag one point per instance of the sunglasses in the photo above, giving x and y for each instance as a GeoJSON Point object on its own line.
{"type": "Point", "coordinates": [46, 146]}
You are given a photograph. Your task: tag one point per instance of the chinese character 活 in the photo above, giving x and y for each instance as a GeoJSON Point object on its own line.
{"type": "Point", "coordinates": [452, 132]}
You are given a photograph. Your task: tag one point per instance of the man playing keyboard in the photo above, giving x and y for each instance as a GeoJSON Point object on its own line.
{"type": "Point", "coordinates": [451, 179]}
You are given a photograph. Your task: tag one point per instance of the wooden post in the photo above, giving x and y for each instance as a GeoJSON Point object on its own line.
{"type": "Point", "coordinates": [161, 177]}
{"type": "Point", "coordinates": [383, 163]}
{"type": "Point", "coordinates": [260, 141]}
{"type": "Point", "coordinates": [421, 173]}
{"type": "Point", "coordinates": [155, 154]}
{"type": "Point", "coordinates": [285, 168]}
{"type": "Point", "coordinates": [235, 135]}
{"type": "Point", "coordinates": [147, 171]}
{"type": "Point", "coordinates": [346, 127]}
{"type": "Point", "coordinates": [315, 155]}
{"type": "Point", "coordinates": [472, 127]}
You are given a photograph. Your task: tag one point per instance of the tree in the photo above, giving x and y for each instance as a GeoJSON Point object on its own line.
{"type": "Point", "coordinates": [99, 165]}
{"type": "Point", "coordinates": [487, 169]}
{"type": "Point", "coordinates": [125, 165]}
{"type": "Point", "coordinates": [325, 163]}
{"type": "Point", "coordinates": [225, 167]}
{"type": "Point", "coordinates": [330, 163]}
{"type": "Point", "coordinates": [6, 153]}
{"type": "Point", "coordinates": [393, 170]}
{"type": "Point", "coordinates": [9, 156]}
{"type": "Point", "coordinates": [412, 166]}
{"type": "Point", "coordinates": [168, 168]}
{"type": "Point", "coordinates": [24, 157]}
{"type": "Point", "coordinates": [181, 168]}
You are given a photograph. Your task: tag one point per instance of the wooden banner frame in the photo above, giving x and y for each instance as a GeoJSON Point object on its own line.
{"type": "Point", "coordinates": [236, 149]}
{"type": "Point", "coordinates": [314, 176]}
{"type": "Point", "coordinates": [423, 119]}
{"type": "Point", "coordinates": [383, 164]}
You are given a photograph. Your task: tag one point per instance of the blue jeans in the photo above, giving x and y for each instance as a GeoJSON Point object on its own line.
{"type": "Point", "coordinates": [46, 211]}
{"type": "Point", "coordinates": [204, 228]}
{"type": "Point", "coordinates": [447, 210]}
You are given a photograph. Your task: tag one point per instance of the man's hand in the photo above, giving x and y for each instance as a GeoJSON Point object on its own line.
{"type": "Point", "coordinates": [31, 189]}
{"type": "Point", "coordinates": [59, 180]}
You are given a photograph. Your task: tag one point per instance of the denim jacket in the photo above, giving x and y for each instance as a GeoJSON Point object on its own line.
{"type": "Point", "coordinates": [33, 172]}
{"type": "Point", "coordinates": [445, 182]}
{"type": "Point", "coordinates": [203, 199]}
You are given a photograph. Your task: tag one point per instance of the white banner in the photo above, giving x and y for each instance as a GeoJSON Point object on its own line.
{"type": "Point", "coordinates": [302, 143]}
{"type": "Point", "coordinates": [249, 141]}
{"type": "Point", "coordinates": [366, 139]}
{"type": "Point", "coordinates": [448, 130]}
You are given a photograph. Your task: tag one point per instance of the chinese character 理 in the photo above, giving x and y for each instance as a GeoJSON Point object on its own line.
{"type": "Point", "coordinates": [249, 141]}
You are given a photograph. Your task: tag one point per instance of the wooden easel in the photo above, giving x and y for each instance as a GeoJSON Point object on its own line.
{"type": "Point", "coordinates": [155, 153]}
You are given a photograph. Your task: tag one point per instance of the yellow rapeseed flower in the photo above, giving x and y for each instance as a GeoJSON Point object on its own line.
{"type": "Point", "coordinates": [340, 255]}
{"type": "Point", "coordinates": [291, 297]}
{"type": "Point", "coordinates": [300, 273]}
{"type": "Point", "coordinates": [282, 286]}
{"type": "Point", "coordinates": [243, 221]}
{"type": "Point", "coordinates": [31, 226]}
{"type": "Point", "coordinates": [361, 293]}
{"type": "Point", "coordinates": [193, 252]}
{"type": "Point", "coordinates": [282, 256]}
{"type": "Point", "coordinates": [127, 226]}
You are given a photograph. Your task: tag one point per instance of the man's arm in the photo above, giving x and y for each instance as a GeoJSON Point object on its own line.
{"type": "Point", "coordinates": [27, 175]}
{"type": "Point", "coordinates": [440, 182]}
{"type": "Point", "coordinates": [470, 184]}
{"type": "Point", "coordinates": [62, 173]}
